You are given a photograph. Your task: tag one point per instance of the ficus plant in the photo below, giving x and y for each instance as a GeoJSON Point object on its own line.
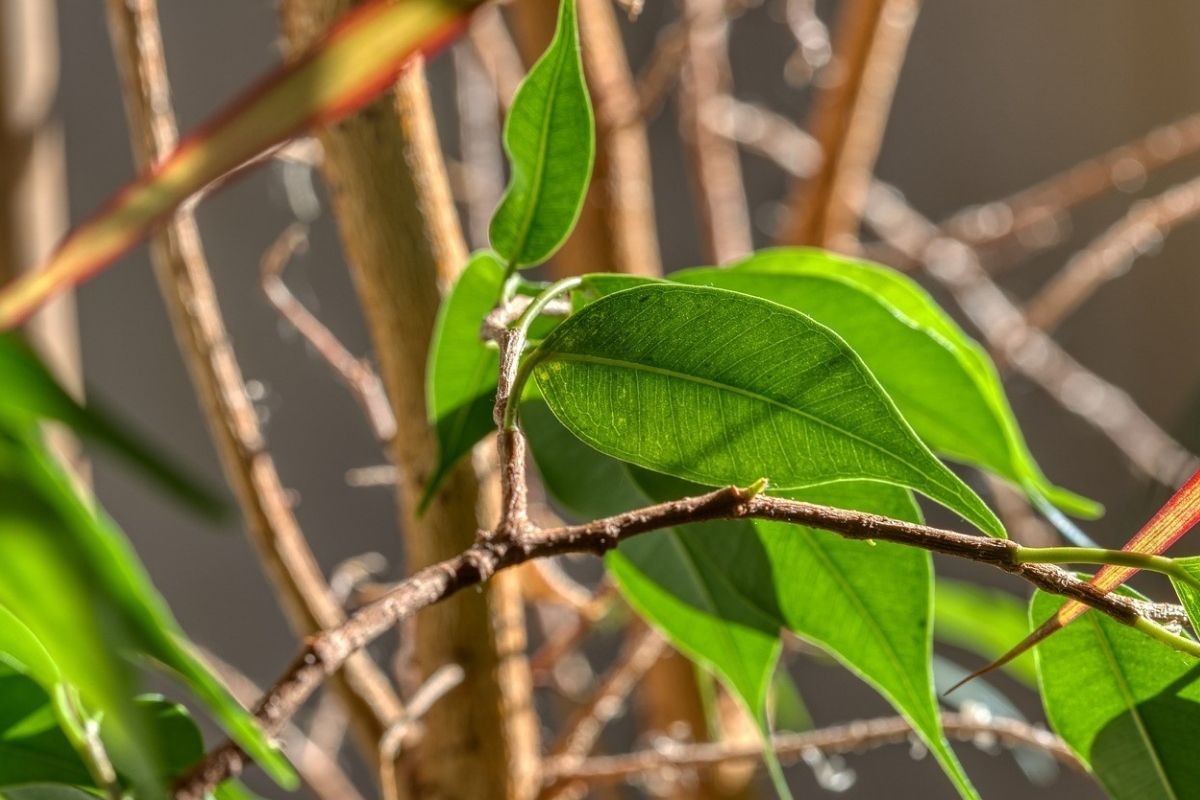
{"type": "Point", "coordinates": [745, 444]}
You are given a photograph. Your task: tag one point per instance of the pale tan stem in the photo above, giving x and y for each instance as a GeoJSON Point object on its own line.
{"type": "Point", "coordinates": [187, 287]}
{"type": "Point", "coordinates": [402, 240]}
{"type": "Point", "coordinates": [849, 119]}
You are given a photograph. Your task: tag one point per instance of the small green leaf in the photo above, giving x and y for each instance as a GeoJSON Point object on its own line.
{"type": "Point", "coordinates": [460, 386]}
{"type": "Point", "coordinates": [551, 144]}
{"type": "Point", "coordinates": [719, 387]}
{"type": "Point", "coordinates": [31, 394]}
{"type": "Point", "coordinates": [943, 382]}
{"type": "Point", "coordinates": [1127, 705]}
{"type": "Point", "coordinates": [984, 621]}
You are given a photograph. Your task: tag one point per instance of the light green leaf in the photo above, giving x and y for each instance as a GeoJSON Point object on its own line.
{"type": "Point", "coordinates": [460, 386]}
{"type": "Point", "coordinates": [718, 387]}
{"type": "Point", "coordinates": [984, 621]}
{"type": "Point", "coordinates": [31, 395]}
{"type": "Point", "coordinates": [722, 590]}
{"type": "Point", "coordinates": [1189, 596]}
{"type": "Point", "coordinates": [1127, 705]}
{"type": "Point", "coordinates": [551, 144]}
{"type": "Point", "coordinates": [943, 382]}
{"type": "Point", "coordinates": [74, 583]}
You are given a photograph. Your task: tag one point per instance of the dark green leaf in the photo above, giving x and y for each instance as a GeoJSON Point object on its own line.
{"type": "Point", "coordinates": [1127, 705]}
{"type": "Point", "coordinates": [984, 621]}
{"type": "Point", "coordinates": [551, 144]}
{"type": "Point", "coordinates": [719, 387]}
{"type": "Point", "coordinates": [45, 791]}
{"type": "Point", "coordinates": [460, 387]}
{"type": "Point", "coordinates": [942, 381]}
{"type": "Point", "coordinates": [31, 395]}
{"type": "Point", "coordinates": [33, 747]}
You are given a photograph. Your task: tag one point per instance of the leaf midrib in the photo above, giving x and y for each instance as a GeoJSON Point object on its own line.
{"type": "Point", "coordinates": [587, 358]}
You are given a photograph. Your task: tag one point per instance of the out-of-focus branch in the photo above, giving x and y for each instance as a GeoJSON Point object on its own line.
{"type": "Point", "coordinates": [33, 203]}
{"type": "Point", "coordinates": [672, 757]}
{"type": "Point", "coordinates": [616, 229]}
{"type": "Point", "coordinates": [848, 121]}
{"type": "Point", "coordinates": [716, 171]}
{"type": "Point", "coordinates": [402, 240]}
{"type": "Point", "coordinates": [1111, 254]}
{"type": "Point", "coordinates": [482, 160]}
{"type": "Point", "coordinates": [1027, 221]}
{"type": "Point", "coordinates": [196, 317]}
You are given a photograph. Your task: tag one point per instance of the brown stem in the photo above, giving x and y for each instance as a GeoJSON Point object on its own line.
{"type": "Point", "coordinates": [402, 240]}
{"type": "Point", "coordinates": [326, 652]}
{"type": "Point", "coordinates": [1112, 253]}
{"type": "Point", "coordinates": [716, 171]}
{"type": "Point", "coordinates": [187, 287]}
{"type": "Point", "coordinates": [848, 121]}
{"type": "Point", "coordinates": [849, 738]}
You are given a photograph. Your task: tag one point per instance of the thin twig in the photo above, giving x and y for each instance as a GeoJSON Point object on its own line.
{"type": "Point", "coordinates": [497, 52]}
{"type": "Point", "coordinates": [355, 373]}
{"type": "Point", "coordinates": [848, 738]}
{"type": "Point", "coordinates": [326, 652]}
{"type": "Point", "coordinates": [437, 686]}
{"type": "Point", "coordinates": [196, 317]}
{"type": "Point", "coordinates": [479, 141]}
{"type": "Point", "coordinates": [848, 121]}
{"type": "Point", "coordinates": [1014, 220]}
{"type": "Point", "coordinates": [316, 764]}
{"type": "Point", "coordinates": [565, 640]}
{"type": "Point", "coordinates": [1112, 253]}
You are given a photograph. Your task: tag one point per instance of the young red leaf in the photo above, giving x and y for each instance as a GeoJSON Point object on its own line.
{"type": "Point", "coordinates": [1168, 525]}
{"type": "Point", "coordinates": [356, 60]}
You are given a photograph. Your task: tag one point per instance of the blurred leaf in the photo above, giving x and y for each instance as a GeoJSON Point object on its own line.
{"type": "Point", "coordinates": [357, 60]}
{"type": "Point", "coordinates": [74, 583]}
{"type": "Point", "coordinates": [943, 382]}
{"type": "Point", "coordinates": [550, 143]}
{"type": "Point", "coordinates": [722, 590]}
{"type": "Point", "coordinates": [1127, 705]}
{"type": "Point", "coordinates": [722, 388]}
{"type": "Point", "coordinates": [33, 747]}
{"type": "Point", "coordinates": [460, 386]}
{"type": "Point", "coordinates": [45, 792]}
{"type": "Point", "coordinates": [31, 395]}
{"type": "Point", "coordinates": [984, 621]}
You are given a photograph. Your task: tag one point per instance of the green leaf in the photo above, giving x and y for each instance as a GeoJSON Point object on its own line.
{"type": "Point", "coordinates": [943, 382]}
{"type": "Point", "coordinates": [1127, 705]}
{"type": "Point", "coordinates": [1189, 596]}
{"type": "Point", "coordinates": [75, 584]}
{"type": "Point", "coordinates": [45, 791]}
{"type": "Point", "coordinates": [719, 388]}
{"type": "Point", "coordinates": [31, 394]}
{"type": "Point", "coordinates": [551, 144]}
{"type": "Point", "coordinates": [984, 621]}
{"type": "Point", "coordinates": [33, 747]}
{"type": "Point", "coordinates": [460, 386]}
{"type": "Point", "coordinates": [722, 590]}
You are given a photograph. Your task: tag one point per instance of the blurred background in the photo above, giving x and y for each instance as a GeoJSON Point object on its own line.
{"type": "Point", "coordinates": [993, 97]}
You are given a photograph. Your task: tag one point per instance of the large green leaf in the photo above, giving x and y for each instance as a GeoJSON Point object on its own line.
{"type": "Point", "coordinates": [31, 395]}
{"type": "Point", "coordinates": [460, 385]}
{"type": "Point", "coordinates": [984, 621]}
{"type": "Point", "coordinates": [720, 387]}
{"type": "Point", "coordinates": [75, 584]}
{"type": "Point", "coordinates": [551, 144]}
{"type": "Point", "coordinates": [722, 590]}
{"type": "Point", "coordinates": [1127, 705]}
{"type": "Point", "coordinates": [941, 380]}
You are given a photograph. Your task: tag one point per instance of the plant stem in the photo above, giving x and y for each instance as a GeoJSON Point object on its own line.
{"type": "Point", "coordinates": [514, 373]}
{"type": "Point", "coordinates": [1175, 641]}
{"type": "Point", "coordinates": [1099, 555]}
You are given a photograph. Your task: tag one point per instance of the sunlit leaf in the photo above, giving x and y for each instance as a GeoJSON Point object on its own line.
{"type": "Point", "coordinates": [550, 143]}
{"type": "Point", "coordinates": [357, 60]}
{"type": "Point", "coordinates": [1127, 705]}
{"type": "Point", "coordinates": [719, 387]}
{"type": "Point", "coordinates": [943, 383]}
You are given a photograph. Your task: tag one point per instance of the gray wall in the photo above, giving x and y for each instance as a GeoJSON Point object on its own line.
{"type": "Point", "coordinates": [995, 95]}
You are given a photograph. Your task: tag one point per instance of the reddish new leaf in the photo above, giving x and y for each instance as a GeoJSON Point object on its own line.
{"type": "Point", "coordinates": [355, 61]}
